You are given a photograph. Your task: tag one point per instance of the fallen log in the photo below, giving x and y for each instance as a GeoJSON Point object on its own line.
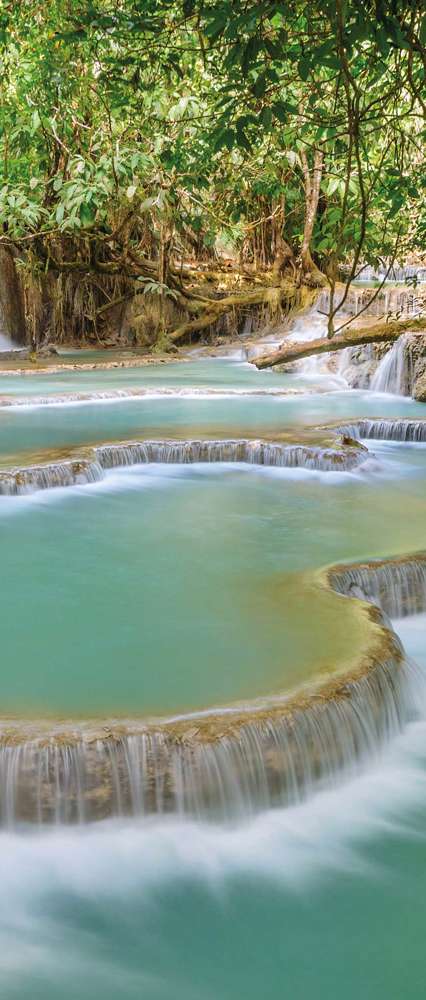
{"type": "Point", "coordinates": [379, 333]}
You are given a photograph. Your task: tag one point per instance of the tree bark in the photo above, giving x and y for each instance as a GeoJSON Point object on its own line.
{"type": "Point", "coordinates": [379, 333]}
{"type": "Point", "coordinates": [12, 314]}
{"type": "Point", "coordinates": [312, 191]}
{"type": "Point", "coordinates": [212, 309]}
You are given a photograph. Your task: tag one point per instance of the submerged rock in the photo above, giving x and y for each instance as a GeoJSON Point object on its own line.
{"type": "Point", "coordinates": [47, 351]}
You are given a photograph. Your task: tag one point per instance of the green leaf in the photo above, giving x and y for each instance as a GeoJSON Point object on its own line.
{"type": "Point", "coordinates": [243, 141]}
{"type": "Point", "coordinates": [273, 49]}
{"type": "Point", "coordinates": [217, 26]}
{"type": "Point", "coordinates": [333, 185]}
{"type": "Point", "coordinates": [304, 67]}
{"type": "Point", "coordinates": [225, 138]}
{"type": "Point", "coordinates": [280, 111]}
{"type": "Point", "coordinates": [249, 54]}
{"type": "Point", "coordinates": [86, 215]}
{"type": "Point", "coordinates": [266, 117]}
{"type": "Point", "coordinates": [259, 86]}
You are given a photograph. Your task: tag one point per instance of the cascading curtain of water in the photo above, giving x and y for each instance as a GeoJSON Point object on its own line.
{"type": "Point", "coordinates": [265, 764]}
{"type": "Point", "coordinates": [394, 373]}
{"type": "Point", "coordinates": [160, 392]}
{"type": "Point", "coordinates": [265, 453]}
{"type": "Point", "coordinates": [397, 588]}
{"type": "Point", "coordinates": [226, 766]}
{"type": "Point", "coordinates": [386, 430]}
{"type": "Point", "coordinates": [396, 273]}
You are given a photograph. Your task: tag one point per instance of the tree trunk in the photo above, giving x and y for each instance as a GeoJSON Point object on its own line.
{"type": "Point", "coordinates": [312, 191]}
{"type": "Point", "coordinates": [379, 333]}
{"type": "Point", "coordinates": [12, 315]}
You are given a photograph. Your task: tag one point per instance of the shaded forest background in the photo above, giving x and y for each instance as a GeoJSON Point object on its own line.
{"type": "Point", "coordinates": [168, 168]}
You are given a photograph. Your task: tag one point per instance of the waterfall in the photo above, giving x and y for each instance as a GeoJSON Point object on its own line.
{"type": "Point", "coordinates": [136, 393]}
{"type": "Point", "coordinates": [388, 300]}
{"type": "Point", "coordinates": [265, 763]}
{"type": "Point", "coordinates": [386, 430]}
{"type": "Point", "coordinates": [252, 452]}
{"type": "Point", "coordinates": [311, 326]}
{"type": "Point", "coordinates": [6, 344]}
{"type": "Point", "coordinates": [227, 763]}
{"type": "Point", "coordinates": [45, 477]}
{"type": "Point", "coordinates": [394, 372]}
{"type": "Point", "coordinates": [266, 453]}
{"type": "Point", "coordinates": [396, 273]}
{"type": "Point", "coordinates": [398, 587]}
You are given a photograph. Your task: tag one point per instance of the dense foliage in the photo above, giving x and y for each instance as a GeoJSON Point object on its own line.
{"type": "Point", "coordinates": [136, 134]}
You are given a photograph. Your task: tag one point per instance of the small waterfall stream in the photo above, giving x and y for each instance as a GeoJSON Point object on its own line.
{"type": "Point", "coordinates": [311, 326]}
{"type": "Point", "coordinates": [397, 587]}
{"type": "Point", "coordinates": [6, 344]}
{"type": "Point", "coordinates": [386, 430]}
{"type": "Point", "coordinates": [393, 374]}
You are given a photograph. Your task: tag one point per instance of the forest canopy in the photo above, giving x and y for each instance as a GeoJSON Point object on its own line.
{"type": "Point", "coordinates": [142, 138]}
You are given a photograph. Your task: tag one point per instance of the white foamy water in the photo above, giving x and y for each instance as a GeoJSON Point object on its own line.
{"type": "Point", "coordinates": [154, 475]}
{"type": "Point", "coordinates": [313, 326]}
{"type": "Point", "coordinates": [289, 846]}
{"type": "Point", "coordinates": [137, 394]}
{"type": "Point", "coordinates": [6, 344]}
{"type": "Point", "coordinates": [392, 375]}
{"type": "Point", "coordinates": [70, 898]}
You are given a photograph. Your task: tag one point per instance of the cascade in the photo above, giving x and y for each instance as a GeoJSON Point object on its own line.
{"type": "Point", "coordinates": [46, 477]}
{"type": "Point", "coordinates": [136, 393]}
{"type": "Point", "coordinates": [397, 587]}
{"type": "Point", "coordinates": [386, 430]}
{"type": "Point", "coordinates": [388, 300]}
{"type": "Point", "coordinates": [263, 764]}
{"type": "Point", "coordinates": [230, 763]}
{"type": "Point", "coordinates": [266, 453]}
{"type": "Point", "coordinates": [312, 326]}
{"type": "Point", "coordinates": [355, 366]}
{"type": "Point", "coordinates": [394, 373]}
{"type": "Point", "coordinates": [407, 273]}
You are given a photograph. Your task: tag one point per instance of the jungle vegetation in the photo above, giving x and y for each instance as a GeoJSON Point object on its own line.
{"type": "Point", "coordinates": [200, 158]}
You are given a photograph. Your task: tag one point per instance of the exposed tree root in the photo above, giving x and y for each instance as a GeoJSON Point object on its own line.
{"type": "Point", "coordinates": [91, 289]}
{"type": "Point", "coordinates": [379, 333]}
{"type": "Point", "coordinates": [286, 296]}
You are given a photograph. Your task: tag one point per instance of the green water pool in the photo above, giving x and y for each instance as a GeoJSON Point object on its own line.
{"type": "Point", "coordinates": [166, 589]}
{"type": "Point", "coordinates": [25, 434]}
{"type": "Point", "coordinates": [169, 588]}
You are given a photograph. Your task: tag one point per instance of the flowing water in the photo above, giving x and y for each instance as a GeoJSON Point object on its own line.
{"type": "Point", "coordinates": [181, 578]}
{"type": "Point", "coordinates": [391, 375]}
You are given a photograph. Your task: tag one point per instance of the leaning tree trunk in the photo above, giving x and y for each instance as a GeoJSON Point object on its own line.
{"type": "Point", "coordinates": [312, 191]}
{"type": "Point", "coordinates": [377, 334]}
